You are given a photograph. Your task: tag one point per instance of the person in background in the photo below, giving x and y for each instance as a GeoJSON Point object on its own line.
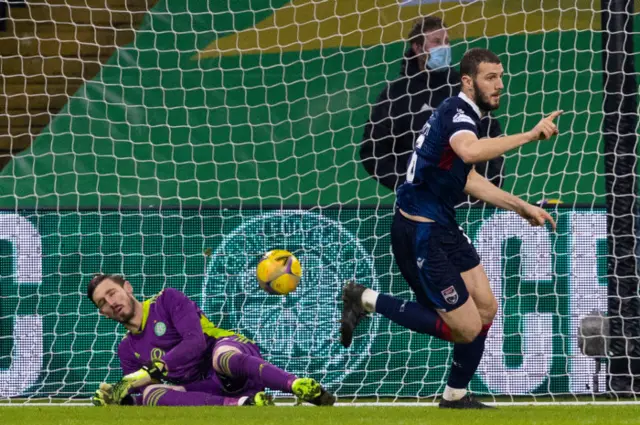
{"type": "Point", "coordinates": [405, 105]}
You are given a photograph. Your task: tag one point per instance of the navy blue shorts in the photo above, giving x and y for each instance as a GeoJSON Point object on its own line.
{"type": "Point", "coordinates": [431, 257]}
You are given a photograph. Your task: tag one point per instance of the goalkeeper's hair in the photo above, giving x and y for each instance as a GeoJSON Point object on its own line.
{"type": "Point", "coordinates": [101, 277]}
{"type": "Point", "coordinates": [422, 26]}
{"type": "Point", "coordinates": [473, 58]}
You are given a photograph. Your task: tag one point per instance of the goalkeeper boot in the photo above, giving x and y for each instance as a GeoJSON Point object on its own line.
{"type": "Point", "coordinates": [466, 402]}
{"type": "Point", "coordinates": [352, 311]}
{"type": "Point", "coordinates": [309, 390]}
{"type": "Point", "coordinates": [259, 399]}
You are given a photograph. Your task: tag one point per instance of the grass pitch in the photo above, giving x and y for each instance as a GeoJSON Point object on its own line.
{"type": "Point", "coordinates": [538, 415]}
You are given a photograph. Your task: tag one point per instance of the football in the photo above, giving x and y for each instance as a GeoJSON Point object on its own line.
{"type": "Point", "coordinates": [279, 272]}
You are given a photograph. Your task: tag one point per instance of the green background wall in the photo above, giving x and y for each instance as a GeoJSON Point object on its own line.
{"type": "Point", "coordinates": [166, 123]}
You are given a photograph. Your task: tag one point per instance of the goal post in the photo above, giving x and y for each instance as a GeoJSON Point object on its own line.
{"type": "Point", "coordinates": [226, 129]}
{"type": "Point", "coordinates": [620, 151]}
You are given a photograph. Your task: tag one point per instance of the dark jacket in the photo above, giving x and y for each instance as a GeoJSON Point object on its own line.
{"type": "Point", "coordinates": [401, 110]}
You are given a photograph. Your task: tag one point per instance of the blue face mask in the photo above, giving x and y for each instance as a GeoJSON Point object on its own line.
{"type": "Point", "coordinates": [439, 57]}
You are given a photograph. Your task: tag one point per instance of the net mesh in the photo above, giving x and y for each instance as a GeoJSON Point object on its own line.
{"type": "Point", "coordinates": [176, 141]}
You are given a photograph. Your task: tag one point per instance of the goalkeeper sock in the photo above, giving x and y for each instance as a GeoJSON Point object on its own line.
{"type": "Point", "coordinates": [466, 359]}
{"type": "Point", "coordinates": [236, 364]}
{"type": "Point", "coordinates": [414, 316]}
{"type": "Point", "coordinates": [163, 396]}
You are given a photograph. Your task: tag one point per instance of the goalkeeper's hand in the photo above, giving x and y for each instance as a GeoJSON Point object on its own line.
{"type": "Point", "coordinates": [103, 395]}
{"type": "Point", "coordinates": [147, 375]}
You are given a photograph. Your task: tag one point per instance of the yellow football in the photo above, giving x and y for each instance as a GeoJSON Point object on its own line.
{"type": "Point", "coordinates": [279, 272]}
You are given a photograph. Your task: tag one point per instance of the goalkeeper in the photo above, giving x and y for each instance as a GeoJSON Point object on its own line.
{"type": "Point", "coordinates": [174, 356]}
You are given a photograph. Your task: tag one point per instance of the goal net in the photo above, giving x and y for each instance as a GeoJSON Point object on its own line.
{"type": "Point", "coordinates": [226, 129]}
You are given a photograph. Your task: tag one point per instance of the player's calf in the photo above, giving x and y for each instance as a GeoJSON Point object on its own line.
{"type": "Point", "coordinates": [466, 358]}
{"type": "Point", "coordinates": [231, 362]}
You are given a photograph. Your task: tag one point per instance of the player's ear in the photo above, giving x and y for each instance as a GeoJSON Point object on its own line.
{"type": "Point", "coordinates": [127, 287]}
{"type": "Point", "coordinates": [467, 81]}
{"type": "Point", "coordinates": [416, 49]}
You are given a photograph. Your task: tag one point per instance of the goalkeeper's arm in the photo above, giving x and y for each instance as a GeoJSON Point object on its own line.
{"type": "Point", "coordinates": [472, 150]}
{"type": "Point", "coordinates": [136, 377]}
{"type": "Point", "coordinates": [134, 382]}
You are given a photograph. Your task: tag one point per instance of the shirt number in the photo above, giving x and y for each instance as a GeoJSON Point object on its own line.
{"type": "Point", "coordinates": [411, 171]}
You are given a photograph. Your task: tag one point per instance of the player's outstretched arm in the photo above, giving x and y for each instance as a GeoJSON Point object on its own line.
{"type": "Point", "coordinates": [472, 150]}
{"type": "Point", "coordinates": [481, 188]}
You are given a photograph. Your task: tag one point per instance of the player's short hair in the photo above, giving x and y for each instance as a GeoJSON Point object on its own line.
{"type": "Point", "coordinates": [473, 58]}
{"type": "Point", "coordinates": [101, 277]}
{"type": "Point", "coordinates": [422, 26]}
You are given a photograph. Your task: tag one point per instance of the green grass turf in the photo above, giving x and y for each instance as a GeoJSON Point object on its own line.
{"type": "Point", "coordinates": [556, 415]}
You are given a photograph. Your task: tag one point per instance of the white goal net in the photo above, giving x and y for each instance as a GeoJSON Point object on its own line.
{"type": "Point", "coordinates": [184, 138]}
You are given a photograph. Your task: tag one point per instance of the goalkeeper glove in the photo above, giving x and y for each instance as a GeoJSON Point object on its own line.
{"type": "Point", "coordinates": [103, 395]}
{"type": "Point", "coordinates": [145, 376]}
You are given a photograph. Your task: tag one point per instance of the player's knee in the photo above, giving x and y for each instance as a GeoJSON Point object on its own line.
{"type": "Point", "coordinates": [469, 330]}
{"type": "Point", "coordinates": [150, 390]}
{"type": "Point", "coordinates": [220, 361]}
{"type": "Point", "coordinates": [489, 311]}
{"type": "Point", "coordinates": [469, 333]}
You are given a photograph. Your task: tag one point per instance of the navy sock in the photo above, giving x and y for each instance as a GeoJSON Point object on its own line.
{"type": "Point", "coordinates": [413, 316]}
{"type": "Point", "coordinates": [466, 359]}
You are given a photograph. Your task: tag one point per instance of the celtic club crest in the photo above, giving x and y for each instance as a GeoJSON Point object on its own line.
{"type": "Point", "coordinates": [298, 332]}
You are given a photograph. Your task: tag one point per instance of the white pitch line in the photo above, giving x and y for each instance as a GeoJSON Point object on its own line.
{"type": "Point", "coordinates": [385, 404]}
